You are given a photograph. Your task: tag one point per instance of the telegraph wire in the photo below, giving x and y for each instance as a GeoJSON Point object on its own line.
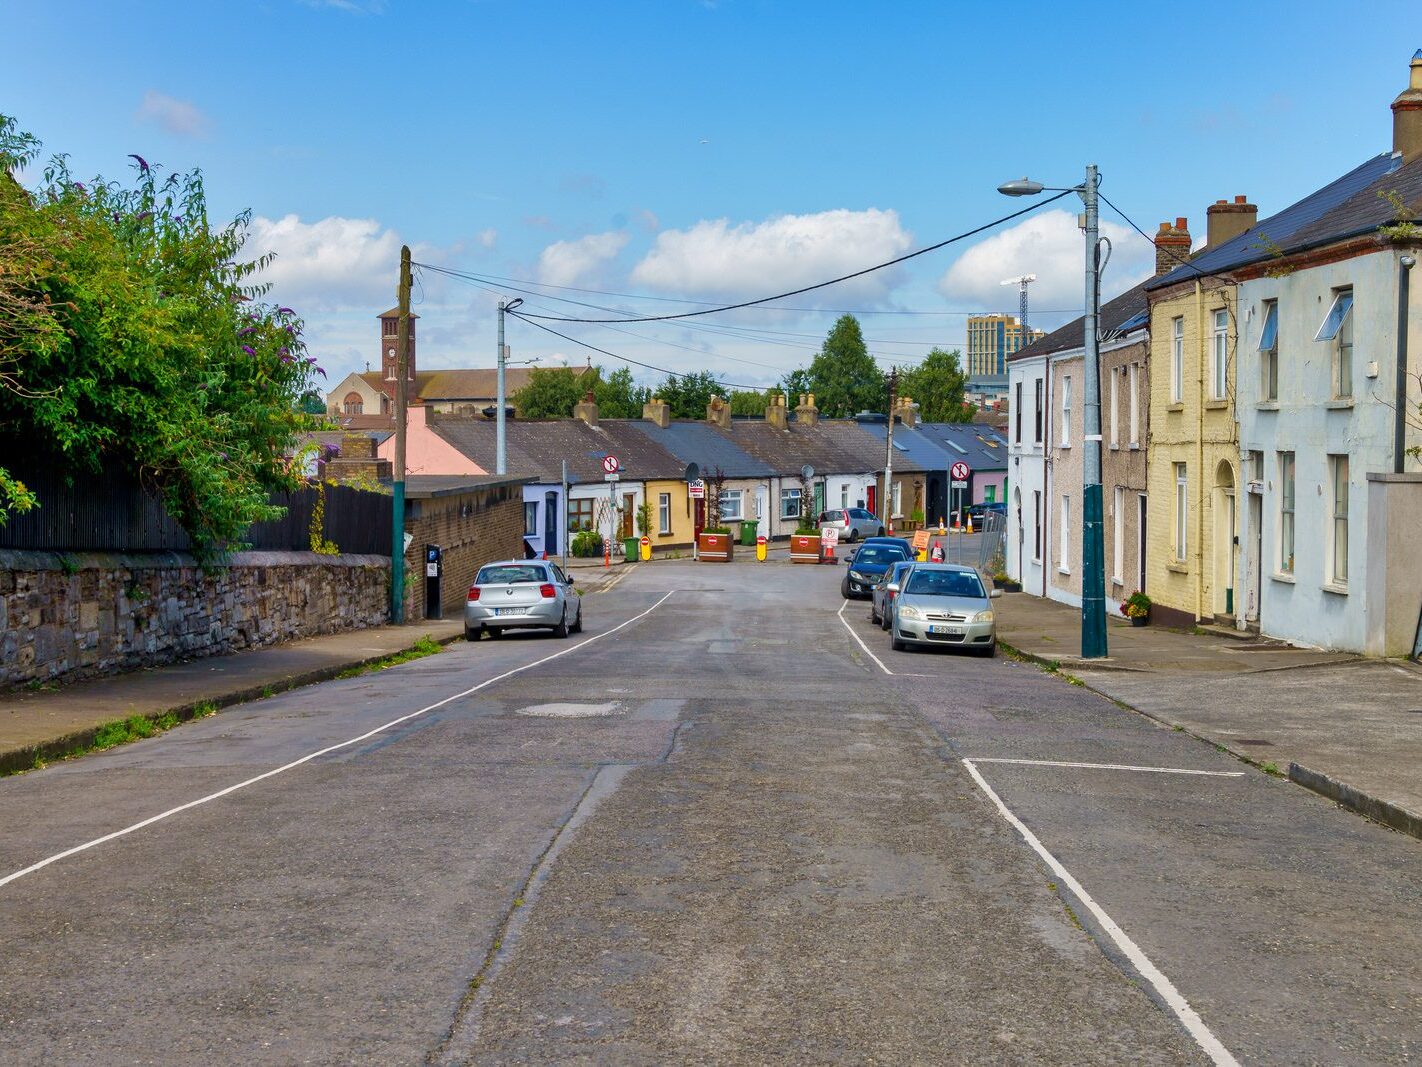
{"type": "Point", "coordinates": [819, 285]}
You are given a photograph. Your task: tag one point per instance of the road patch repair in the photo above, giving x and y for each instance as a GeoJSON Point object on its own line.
{"type": "Point", "coordinates": [570, 711]}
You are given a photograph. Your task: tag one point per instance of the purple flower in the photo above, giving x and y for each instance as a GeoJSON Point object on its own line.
{"type": "Point", "coordinates": [80, 187]}
{"type": "Point", "coordinates": [284, 350]}
{"type": "Point", "coordinates": [246, 330]}
{"type": "Point", "coordinates": [290, 329]}
{"type": "Point", "coordinates": [222, 455]}
{"type": "Point", "coordinates": [285, 311]}
{"type": "Point", "coordinates": [287, 358]}
{"type": "Point", "coordinates": [142, 163]}
{"type": "Point", "coordinates": [320, 372]}
{"type": "Point", "coordinates": [116, 216]}
{"type": "Point", "coordinates": [144, 215]}
{"type": "Point", "coordinates": [249, 350]}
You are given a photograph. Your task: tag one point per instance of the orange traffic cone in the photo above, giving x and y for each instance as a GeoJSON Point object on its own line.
{"type": "Point", "coordinates": [970, 522]}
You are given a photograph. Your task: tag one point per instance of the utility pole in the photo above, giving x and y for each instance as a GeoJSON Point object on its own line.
{"type": "Point", "coordinates": [501, 459]}
{"type": "Point", "coordinates": [1093, 554]}
{"type": "Point", "coordinates": [397, 511]}
{"type": "Point", "coordinates": [888, 501]}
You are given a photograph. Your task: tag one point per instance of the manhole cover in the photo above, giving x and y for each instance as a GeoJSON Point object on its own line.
{"type": "Point", "coordinates": [570, 711]}
{"type": "Point", "coordinates": [1254, 741]}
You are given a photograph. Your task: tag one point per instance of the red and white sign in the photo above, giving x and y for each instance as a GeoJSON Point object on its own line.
{"type": "Point", "coordinates": [696, 490]}
{"type": "Point", "coordinates": [610, 464]}
{"type": "Point", "coordinates": [830, 536]}
{"type": "Point", "coordinates": [960, 471]}
{"type": "Point", "coordinates": [646, 541]}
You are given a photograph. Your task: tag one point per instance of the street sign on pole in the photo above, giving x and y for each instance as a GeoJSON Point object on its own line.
{"type": "Point", "coordinates": [612, 477]}
{"type": "Point", "coordinates": [960, 472]}
{"type": "Point", "coordinates": [960, 485]}
{"type": "Point", "coordinates": [610, 464]}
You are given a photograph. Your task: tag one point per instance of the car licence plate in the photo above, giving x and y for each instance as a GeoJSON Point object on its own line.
{"type": "Point", "coordinates": [509, 611]}
{"type": "Point", "coordinates": [947, 630]}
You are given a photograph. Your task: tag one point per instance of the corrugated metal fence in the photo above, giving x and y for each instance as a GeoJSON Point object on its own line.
{"type": "Point", "coordinates": [113, 514]}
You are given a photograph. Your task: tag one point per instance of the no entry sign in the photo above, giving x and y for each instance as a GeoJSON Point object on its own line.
{"type": "Point", "coordinates": [960, 471]}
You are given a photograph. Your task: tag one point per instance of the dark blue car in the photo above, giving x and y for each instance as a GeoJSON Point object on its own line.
{"type": "Point", "coordinates": [867, 567]}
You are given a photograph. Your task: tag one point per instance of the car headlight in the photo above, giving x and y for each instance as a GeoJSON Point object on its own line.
{"type": "Point", "coordinates": [908, 611]}
{"type": "Point", "coordinates": [859, 576]}
{"type": "Point", "coordinates": [982, 616]}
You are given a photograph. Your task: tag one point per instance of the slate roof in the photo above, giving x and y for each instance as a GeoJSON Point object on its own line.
{"type": "Point", "coordinates": [1346, 207]}
{"type": "Point", "coordinates": [538, 447]}
{"type": "Point", "coordinates": [830, 446]}
{"type": "Point", "coordinates": [1114, 316]}
{"type": "Point", "coordinates": [703, 444]}
{"type": "Point", "coordinates": [423, 486]}
{"type": "Point", "coordinates": [475, 383]}
{"type": "Point", "coordinates": [981, 446]}
{"type": "Point", "coordinates": [913, 451]}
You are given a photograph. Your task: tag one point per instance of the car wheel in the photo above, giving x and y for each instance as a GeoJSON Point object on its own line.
{"type": "Point", "coordinates": [885, 622]}
{"type": "Point", "coordinates": [471, 634]}
{"type": "Point", "coordinates": [873, 616]}
{"type": "Point", "coordinates": [844, 589]}
{"type": "Point", "coordinates": [989, 652]}
{"type": "Point", "coordinates": [578, 622]}
{"type": "Point", "coordinates": [898, 645]}
{"type": "Point", "coordinates": [561, 630]}
{"type": "Point", "coordinates": [881, 532]}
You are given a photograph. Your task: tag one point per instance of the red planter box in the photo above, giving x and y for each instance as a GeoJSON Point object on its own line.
{"type": "Point", "coordinates": [714, 548]}
{"type": "Point", "coordinates": [806, 548]}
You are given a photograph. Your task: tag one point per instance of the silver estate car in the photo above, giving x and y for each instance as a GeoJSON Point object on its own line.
{"type": "Point", "coordinates": [886, 592]}
{"type": "Point", "coordinates": [522, 594]}
{"type": "Point", "coordinates": [853, 524]}
{"type": "Point", "coordinates": [944, 604]}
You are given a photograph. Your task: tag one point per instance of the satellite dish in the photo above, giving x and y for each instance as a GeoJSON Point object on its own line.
{"type": "Point", "coordinates": [807, 472]}
{"type": "Point", "coordinates": [693, 472]}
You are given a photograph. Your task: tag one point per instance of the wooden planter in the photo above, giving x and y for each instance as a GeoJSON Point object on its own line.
{"type": "Point", "coordinates": [806, 548]}
{"type": "Point", "coordinates": [1009, 586]}
{"type": "Point", "coordinates": [714, 548]}
{"type": "Point", "coordinates": [1139, 620]}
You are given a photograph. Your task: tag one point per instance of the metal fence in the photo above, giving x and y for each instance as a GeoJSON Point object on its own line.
{"type": "Point", "coordinates": [112, 513]}
{"type": "Point", "coordinates": [992, 546]}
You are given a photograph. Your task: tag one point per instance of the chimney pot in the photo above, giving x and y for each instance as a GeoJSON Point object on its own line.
{"type": "Point", "coordinates": [1181, 223]}
{"type": "Point", "coordinates": [1226, 221]}
{"type": "Point", "coordinates": [1241, 200]}
{"type": "Point", "coordinates": [1407, 115]}
{"type": "Point", "coordinates": [1172, 246]}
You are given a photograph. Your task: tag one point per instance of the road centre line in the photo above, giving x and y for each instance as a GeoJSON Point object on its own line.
{"type": "Point", "coordinates": [32, 868]}
{"type": "Point", "coordinates": [1172, 997]}
{"type": "Point", "coordinates": [1108, 767]}
{"type": "Point", "coordinates": [852, 634]}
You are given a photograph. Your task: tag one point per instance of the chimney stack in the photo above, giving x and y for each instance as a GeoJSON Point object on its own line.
{"type": "Point", "coordinates": [1227, 221]}
{"type": "Point", "coordinates": [1407, 115]}
{"type": "Point", "coordinates": [586, 409]}
{"type": "Point", "coordinates": [718, 413]}
{"type": "Point", "coordinates": [806, 412]}
{"type": "Point", "coordinates": [657, 410]}
{"type": "Point", "coordinates": [906, 411]}
{"type": "Point", "coordinates": [1172, 246]}
{"type": "Point", "coordinates": [775, 414]}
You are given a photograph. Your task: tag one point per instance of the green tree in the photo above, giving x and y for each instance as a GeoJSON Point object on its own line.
{"type": "Point", "coordinates": [311, 402]}
{"type": "Point", "coordinates": [749, 402]}
{"type": "Point", "coordinates": [937, 385]}
{"type": "Point", "coordinates": [688, 394]}
{"type": "Point", "coordinates": [133, 337]}
{"type": "Point", "coordinates": [793, 384]}
{"type": "Point", "coordinates": [843, 376]}
{"type": "Point", "coordinates": [618, 396]}
{"type": "Point", "coordinates": [551, 392]}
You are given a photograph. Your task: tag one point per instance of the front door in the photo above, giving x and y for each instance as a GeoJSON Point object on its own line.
{"type": "Point", "coordinates": [1141, 543]}
{"type": "Point", "coordinates": [629, 512]}
{"type": "Point", "coordinates": [552, 523]}
{"type": "Point", "coordinates": [699, 523]}
{"type": "Point", "coordinates": [873, 504]}
{"type": "Point", "coordinates": [1256, 554]}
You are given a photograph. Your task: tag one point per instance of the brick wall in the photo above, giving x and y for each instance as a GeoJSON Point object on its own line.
{"type": "Point", "coordinates": [472, 528]}
{"type": "Point", "coordinates": [80, 615]}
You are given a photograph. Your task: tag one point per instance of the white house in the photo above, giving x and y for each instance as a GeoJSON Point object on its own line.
{"type": "Point", "coordinates": [1028, 511]}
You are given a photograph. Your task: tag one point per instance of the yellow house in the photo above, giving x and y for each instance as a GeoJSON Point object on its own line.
{"type": "Point", "coordinates": [1192, 517]}
{"type": "Point", "coordinates": [673, 514]}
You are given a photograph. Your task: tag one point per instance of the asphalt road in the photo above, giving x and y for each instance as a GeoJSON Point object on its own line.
{"type": "Point", "coordinates": [716, 829]}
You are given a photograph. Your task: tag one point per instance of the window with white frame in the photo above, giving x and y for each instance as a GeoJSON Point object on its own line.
{"type": "Point", "coordinates": [790, 503]}
{"type": "Point", "coordinates": [1177, 358]}
{"type": "Point", "coordinates": [1017, 414]}
{"type": "Point", "coordinates": [1337, 328]}
{"type": "Point", "coordinates": [1286, 513]}
{"type": "Point", "coordinates": [1115, 408]}
{"type": "Point", "coordinates": [1038, 438]}
{"type": "Point", "coordinates": [1182, 512]}
{"type": "Point", "coordinates": [898, 496]}
{"type": "Point", "coordinates": [1118, 531]}
{"type": "Point", "coordinates": [530, 518]}
{"type": "Point", "coordinates": [1219, 354]}
{"type": "Point", "coordinates": [1064, 563]}
{"type": "Point", "coordinates": [844, 494]}
{"type": "Point", "coordinates": [1036, 526]}
{"type": "Point", "coordinates": [1134, 383]}
{"type": "Point", "coordinates": [730, 505]}
{"type": "Point", "coordinates": [1269, 353]}
{"type": "Point", "coordinates": [663, 513]}
{"type": "Point", "coordinates": [1338, 471]}
{"type": "Point", "coordinates": [1066, 410]}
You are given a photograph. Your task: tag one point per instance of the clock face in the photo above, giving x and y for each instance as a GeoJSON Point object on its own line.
{"type": "Point", "coordinates": [390, 352]}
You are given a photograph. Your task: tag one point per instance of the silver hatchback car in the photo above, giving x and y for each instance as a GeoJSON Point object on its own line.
{"type": "Point", "coordinates": [853, 524]}
{"type": "Point", "coordinates": [944, 604]}
{"type": "Point", "coordinates": [522, 594]}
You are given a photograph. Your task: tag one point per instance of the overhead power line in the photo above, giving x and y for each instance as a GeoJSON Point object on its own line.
{"type": "Point", "coordinates": [819, 285]}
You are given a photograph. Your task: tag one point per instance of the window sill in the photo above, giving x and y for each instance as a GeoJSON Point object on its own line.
{"type": "Point", "coordinates": [660, 533]}
{"type": "Point", "coordinates": [1263, 405]}
{"type": "Point", "coordinates": [1135, 446]}
{"type": "Point", "coordinates": [1173, 409]}
{"type": "Point", "coordinates": [1066, 445]}
{"type": "Point", "coordinates": [1216, 404]}
{"type": "Point", "coordinates": [1063, 570]}
{"type": "Point", "coordinates": [1114, 446]}
{"type": "Point", "coordinates": [1336, 588]}
{"type": "Point", "coordinates": [1177, 568]}
{"type": "Point", "coordinates": [1280, 576]}
{"type": "Point", "coordinates": [1338, 405]}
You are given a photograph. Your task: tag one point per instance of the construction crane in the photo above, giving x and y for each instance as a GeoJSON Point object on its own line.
{"type": "Point", "coordinates": [1021, 283]}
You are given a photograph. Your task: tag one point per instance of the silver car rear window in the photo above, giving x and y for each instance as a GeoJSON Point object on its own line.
{"type": "Point", "coordinates": [511, 574]}
{"type": "Point", "coordinates": [944, 583]}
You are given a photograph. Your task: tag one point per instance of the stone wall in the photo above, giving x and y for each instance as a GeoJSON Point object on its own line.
{"type": "Point", "coordinates": [78, 615]}
{"type": "Point", "coordinates": [473, 526]}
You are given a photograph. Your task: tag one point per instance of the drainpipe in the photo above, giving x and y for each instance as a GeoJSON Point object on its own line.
{"type": "Point", "coordinates": [1199, 451]}
{"type": "Point", "coordinates": [1399, 409]}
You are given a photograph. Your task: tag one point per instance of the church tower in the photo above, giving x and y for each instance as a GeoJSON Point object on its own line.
{"type": "Point", "coordinates": [389, 339]}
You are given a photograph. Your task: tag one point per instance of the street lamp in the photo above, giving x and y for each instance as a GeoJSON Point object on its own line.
{"type": "Point", "coordinates": [1093, 553]}
{"type": "Point", "coordinates": [501, 459]}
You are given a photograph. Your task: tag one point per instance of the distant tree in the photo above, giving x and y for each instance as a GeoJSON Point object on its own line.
{"type": "Point", "coordinates": [793, 384]}
{"type": "Point", "coordinates": [551, 392]}
{"type": "Point", "coordinates": [618, 396]}
{"type": "Point", "coordinates": [311, 402]}
{"type": "Point", "coordinates": [843, 376]}
{"type": "Point", "coordinates": [937, 385]}
{"type": "Point", "coordinates": [749, 402]}
{"type": "Point", "coordinates": [688, 394]}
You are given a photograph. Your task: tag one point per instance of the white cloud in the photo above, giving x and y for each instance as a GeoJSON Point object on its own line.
{"type": "Point", "coordinates": [718, 259]}
{"type": "Point", "coordinates": [332, 264]}
{"type": "Point", "coordinates": [1050, 246]}
{"type": "Point", "coordinates": [178, 117]}
{"type": "Point", "coordinates": [488, 238]}
{"type": "Point", "coordinates": [568, 262]}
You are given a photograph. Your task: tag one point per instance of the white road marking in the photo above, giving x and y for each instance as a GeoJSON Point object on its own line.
{"type": "Point", "coordinates": [317, 754]}
{"type": "Point", "coordinates": [1108, 767]}
{"type": "Point", "coordinates": [852, 634]}
{"type": "Point", "coordinates": [1187, 1015]}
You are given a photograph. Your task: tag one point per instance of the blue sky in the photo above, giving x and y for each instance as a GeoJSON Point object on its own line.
{"type": "Point", "coordinates": [702, 150]}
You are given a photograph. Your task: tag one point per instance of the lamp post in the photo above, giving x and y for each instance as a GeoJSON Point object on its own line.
{"type": "Point", "coordinates": [1093, 554]}
{"type": "Point", "coordinates": [501, 459]}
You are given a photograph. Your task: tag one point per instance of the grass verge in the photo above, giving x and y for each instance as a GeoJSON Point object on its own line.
{"type": "Point", "coordinates": [425, 646]}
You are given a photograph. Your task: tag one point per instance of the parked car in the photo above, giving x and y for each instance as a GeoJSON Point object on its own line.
{"type": "Point", "coordinates": [978, 512]}
{"type": "Point", "coordinates": [944, 604]}
{"type": "Point", "coordinates": [881, 603]}
{"type": "Point", "coordinates": [522, 594]}
{"type": "Point", "coordinates": [901, 542]}
{"type": "Point", "coordinates": [852, 523]}
{"type": "Point", "coordinates": [867, 569]}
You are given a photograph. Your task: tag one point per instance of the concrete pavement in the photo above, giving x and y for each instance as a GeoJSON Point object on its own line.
{"type": "Point", "coordinates": [1340, 724]}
